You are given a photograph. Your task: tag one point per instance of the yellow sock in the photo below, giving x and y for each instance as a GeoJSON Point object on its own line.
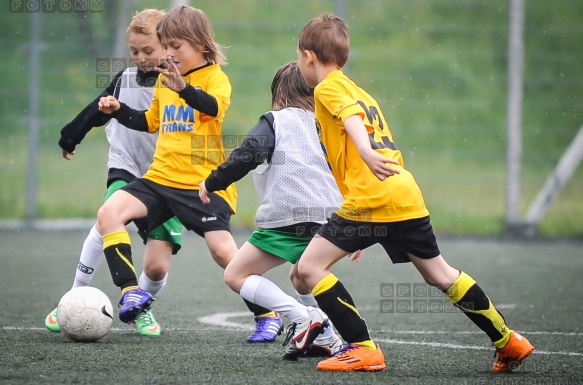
{"type": "Point", "coordinates": [501, 343]}
{"type": "Point", "coordinates": [325, 284]}
{"type": "Point", "coordinates": [115, 238]}
{"type": "Point", "coordinates": [126, 289]}
{"type": "Point", "coordinates": [369, 344]}
{"type": "Point", "coordinates": [336, 302]}
{"type": "Point", "coordinates": [471, 299]}
{"type": "Point", "coordinates": [271, 314]}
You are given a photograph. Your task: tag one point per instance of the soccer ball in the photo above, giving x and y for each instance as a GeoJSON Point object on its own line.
{"type": "Point", "coordinates": [85, 314]}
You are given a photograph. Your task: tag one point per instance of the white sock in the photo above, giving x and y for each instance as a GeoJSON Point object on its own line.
{"type": "Point", "coordinates": [261, 291]}
{"type": "Point", "coordinates": [152, 287]}
{"type": "Point", "coordinates": [309, 300]}
{"type": "Point", "coordinates": [90, 259]}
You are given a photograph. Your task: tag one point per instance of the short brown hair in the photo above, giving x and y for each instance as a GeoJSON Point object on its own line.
{"type": "Point", "coordinates": [145, 21]}
{"type": "Point", "coordinates": [191, 24]}
{"type": "Point", "coordinates": [326, 36]}
{"type": "Point", "coordinates": [289, 89]}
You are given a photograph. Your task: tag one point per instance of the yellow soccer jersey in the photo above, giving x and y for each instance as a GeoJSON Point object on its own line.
{"type": "Point", "coordinates": [189, 145]}
{"type": "Point", "coordinates": [366, 198]}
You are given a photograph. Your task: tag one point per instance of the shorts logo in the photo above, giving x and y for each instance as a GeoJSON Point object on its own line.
{"type": "Point", "coordinates": [206, 219]}
{"type": "Point", "coordinates": [85, 269]}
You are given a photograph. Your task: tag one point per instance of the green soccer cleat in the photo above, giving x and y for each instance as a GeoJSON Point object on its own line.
{"type": "Point", "coordinates": [51, 322]}
{"type": "Point", "coordinates": [147, 324]}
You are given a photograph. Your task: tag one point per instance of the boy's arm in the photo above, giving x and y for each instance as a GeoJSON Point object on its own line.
{"type": "Point", "coordinates": [73, 133]}
{"type": "Point", "coordinates": [201, 101]}
{"type": "Point", "coordinates": [257, 147]}
{"type": "Point", "coordinates": [376, 162]}
{"type": "Point", "coordinates": [195, 97]}
{"type": "Point", "coordinates": [131, 118]}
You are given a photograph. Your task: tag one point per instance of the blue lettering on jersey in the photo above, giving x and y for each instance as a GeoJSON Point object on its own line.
{"type": "Point", "coordinates": [177, 120]}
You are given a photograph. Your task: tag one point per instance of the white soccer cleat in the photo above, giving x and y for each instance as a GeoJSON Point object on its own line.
{"type": "Point", "coordinates": [325, 346]}
{"type": "Point", "coordinates": [300, 336]}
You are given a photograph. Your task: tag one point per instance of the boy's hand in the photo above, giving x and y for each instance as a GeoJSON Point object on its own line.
{"type": "Point", "coordinates": [174, 80]}
{"type": "Point", "coordinates": [355, 257]}
{"type": "Point", "coordinates": [378, 164]}
{"type": "Point", "coordinates": [108, 104]}
{"type": "Point", "coordinates": [203, 193]}
{"type": "Point", "coordinates": [375, 161]}
{"type": "Point", "coordinates": [67, 155]}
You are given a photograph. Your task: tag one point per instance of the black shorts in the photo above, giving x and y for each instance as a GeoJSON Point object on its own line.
{"type": "Point", "coordinates": [164, 202]}
{"type": "Point", "coordinates": [399, 239]}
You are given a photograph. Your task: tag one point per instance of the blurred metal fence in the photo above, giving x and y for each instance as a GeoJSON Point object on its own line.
{"type": "Point", "coordinates": [452, 78]}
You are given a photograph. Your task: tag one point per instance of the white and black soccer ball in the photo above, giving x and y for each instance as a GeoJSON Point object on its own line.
{"type": "Point", "coordinates": [85, 314]}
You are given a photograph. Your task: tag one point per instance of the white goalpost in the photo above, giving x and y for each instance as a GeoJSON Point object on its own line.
{"type": "Point", "coordinates": [566, 166]}
{"type": "Point", "coordinates": [554, 184]}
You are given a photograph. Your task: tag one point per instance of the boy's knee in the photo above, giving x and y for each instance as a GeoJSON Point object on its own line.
{"type": "Point", "coordinates": [155, 272]}
{"type": "Point", "coordinates": [299, 284]}
{"type": "Point", "coordinates": [222, 256]}
{"type": "Point", "coordinates": [303, 271]}
{"type": "Point", "coordinates": [105, 216]}
{"type": "Point", "coordinates": [232, 279]}
{"type": "Point", "coordinates": [295, 279]}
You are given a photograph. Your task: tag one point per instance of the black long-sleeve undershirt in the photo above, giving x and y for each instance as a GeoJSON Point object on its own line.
{"type": "Point", "coordinates": [195, 97]}
{"type": "Point", "coordinates": [74, 132]}
{"type": "Point", "coordinates": [90, 117]}
{"type": "Point", "coordinates": [257, 147]}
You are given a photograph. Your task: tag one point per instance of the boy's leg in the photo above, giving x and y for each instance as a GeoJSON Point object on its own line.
{"type": "Point", "coordinates": [161, 243]}
{"type": "Point", "coordinates": [464, 293]}
{"type": "Point", "coordinates": [195, 215]}
{"type": "Point", "coordinates": [244, 275]}
{"type": "Point", "coordinates": [152, 280]}
{"type": "Point", "coordinates": [333, 298]}
{"type": "Point", "coordinates": [223, 248]}
{"type": "Point", "coordinates": [120, 208]}
{"type": "Point", "coordinates": [89, 261]}
{"type": "Point", "coordinates": [328, 343]}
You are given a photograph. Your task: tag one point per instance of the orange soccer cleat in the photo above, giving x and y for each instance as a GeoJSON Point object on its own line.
{"type": "Point", "coordinates": [354, 358]}
{"type": "Point", "coordinates": [510, 357]}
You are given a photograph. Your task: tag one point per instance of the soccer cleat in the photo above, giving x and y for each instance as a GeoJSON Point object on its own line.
{"type": "Point", "coordinates": [325, 347]}
{"type": "Point", "coordinates": [354, 358]}
{"type": "Point", "coordinates": [147, 324]}
{"type": "Point", "coordinates": [300, 336]}
{"type": "Point", "coordinates": [266, 329]}
{"type": "Point", "coordinates": [51, 322]}
{"type": "Point", "coordinates": [132, 303]}
{"type": "Point", "coordinates": [510, 357]}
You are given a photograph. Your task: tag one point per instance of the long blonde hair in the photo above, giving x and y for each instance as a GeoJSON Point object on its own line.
{"type": "Point", "coordinates": [191, 24]}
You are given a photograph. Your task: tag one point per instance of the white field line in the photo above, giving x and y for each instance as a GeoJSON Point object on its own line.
{"type": "Point", "coordinates": [221, 320]}
{"type": "Point", "coordinates": [466, 347]}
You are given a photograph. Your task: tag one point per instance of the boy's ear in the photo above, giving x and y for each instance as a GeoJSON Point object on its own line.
{"type": "Point", "coordinates": [310, 57]}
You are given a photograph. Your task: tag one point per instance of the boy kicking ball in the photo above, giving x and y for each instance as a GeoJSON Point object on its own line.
{"type": "Point", "coordinates": [381, 198]}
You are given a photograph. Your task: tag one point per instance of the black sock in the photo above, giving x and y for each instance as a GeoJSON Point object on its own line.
{"type": "Point", "coordinates": [337, 303]}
